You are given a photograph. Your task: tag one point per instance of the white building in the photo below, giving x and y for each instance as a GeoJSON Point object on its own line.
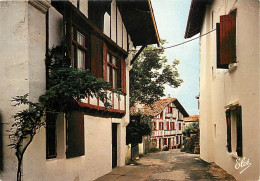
{"type": "Point", "coordinates": [229, 83]}
{"type": "Point", "coordinates": [93, 142]}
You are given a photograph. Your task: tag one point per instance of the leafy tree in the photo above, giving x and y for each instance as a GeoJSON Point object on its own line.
{"type": "Point", "coordinates": [23, 130]}
{"type": "Point", "coordinates": [140, 124]}
{"type": "Point", "coordinates": [186, 132]}
{"type": "Point", "coordinates": [150, 73]}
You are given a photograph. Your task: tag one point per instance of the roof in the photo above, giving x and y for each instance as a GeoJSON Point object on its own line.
{"type": "Point", "coordinates": [139, 21]}
{"type": "Point", "coordinates": [158, 106]}
{"type": "Point", "coordinates": [137, 15]}
{"type": "Point", "coordinates": [196, 15]}
{"type": "Point", "coordinates": [191, 118]}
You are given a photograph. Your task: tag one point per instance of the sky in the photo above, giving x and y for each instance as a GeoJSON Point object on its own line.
{"type": "Point", "coordinates": [171, 18]}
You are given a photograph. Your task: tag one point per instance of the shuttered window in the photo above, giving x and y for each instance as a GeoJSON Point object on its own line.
{"type": "Point", "coordinates": [226, 40]}
{"type": "Point", "coordinates": [228, 121]}
{"type": "Point", "coordinates": [75, 135]}
{"type": "Point", "coordinates": [168, 125]}
{"type": "Point", "coordinates": [234, 130]}
{"type": "Point", "coordinates": [179, 126]}
{"type": "Point", "coordinates": [96, 56]}
{"type": "Point", "coordinates": [51, 141]}
{"type": "Point", "coordinates": [239, 130]}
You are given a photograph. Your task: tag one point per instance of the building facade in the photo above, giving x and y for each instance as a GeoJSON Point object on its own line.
{"type": "Point", "coordinates": [99, 36]}
{"type": "Point", "coordinates": [229, 83]}
{"type": "Point", "coordinates": [167, 124]}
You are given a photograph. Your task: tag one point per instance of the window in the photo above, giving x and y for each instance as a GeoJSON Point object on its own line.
{"type": "Point", "coordinates": [179, 126]}
{"type": "Point", "coordinates": [75, 135]}
{"type": "Point", "coordinates": [168, 125]}
{"type": "Point", "coordinates": [154, 127]}
{"type": "Point", "coordinates": [160, 126]}
{"type": "Point", "coordinates": [172, 126]}
{"type": "Point", "coordinates": [161, 115]}
{"type": "Point", "coordinates": [234, 129]}
{"type": "Point", "coordinates": [79, 50]}
{"type": "Point", "coordinates": [226, 40]}
{"type": "Point", "coordinates": [51, 142]}
{"type": "Point", "coordinates": [113, 71]}
{"type": "Point", "coordinates": [169, 109]}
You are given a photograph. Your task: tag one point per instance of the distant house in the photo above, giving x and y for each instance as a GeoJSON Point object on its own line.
{"type": "Point", "coordinates": [167, 123]}
{"type": "Point", "coordinates": [99, 36]}
{"type": "Point", "coordinates": [229, 99]}
{"type": "Point", "coordinates": [189, 121]}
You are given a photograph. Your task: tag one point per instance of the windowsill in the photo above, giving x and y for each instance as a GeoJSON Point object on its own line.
{"type": "Point", "coordinates": [232, 67]}
{"type": "Point", "coordinates": [234, 154]}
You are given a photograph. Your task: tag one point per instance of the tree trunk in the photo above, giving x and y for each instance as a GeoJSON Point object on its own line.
{"type": "Point", "coordinates": [19, 171]}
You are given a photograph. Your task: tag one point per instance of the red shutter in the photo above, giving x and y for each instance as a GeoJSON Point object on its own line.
{"type": "Point", "coordinates": [75, 135]}
{"type": "Point", "coordinates": [96, 56]}
{"type": "Point", "coordinates": [228, 120]}
{"type": "Point", "coordinates": [239, 131]}
{"type": "Point", "coordinates": [123, 75]}
{"type": "Point", "coordinates": [51, 142]}
{"type": "Point", "coordinates": [173, 125]}
{"type": "Point", "coordinates": [168, 125]}
{"type": "Point", "coordinates": [105, 62]}
{"type": "Point", "coordinates": [226, 39]}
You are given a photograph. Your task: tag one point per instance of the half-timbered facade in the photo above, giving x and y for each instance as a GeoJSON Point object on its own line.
{"type": "Point", "coordinates": [167, 124]}
{"type": "Point", "coordinates": [95, 35]}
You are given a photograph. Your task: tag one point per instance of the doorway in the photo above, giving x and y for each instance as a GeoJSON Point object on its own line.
{"type": "Point", "coordinates": [114, 145]}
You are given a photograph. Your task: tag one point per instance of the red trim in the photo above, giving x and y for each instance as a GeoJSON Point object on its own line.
{"type": "Point", "coordinates": [86, 105]}
{"type": "Point", "coordinates": [166, 117]}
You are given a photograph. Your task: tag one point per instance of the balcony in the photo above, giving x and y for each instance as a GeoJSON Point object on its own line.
{"type": "Point", "coordinates": [118, 103]}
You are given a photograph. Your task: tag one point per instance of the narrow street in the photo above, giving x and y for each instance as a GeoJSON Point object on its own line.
{"type": "Point", "coordinates": [168, 165]}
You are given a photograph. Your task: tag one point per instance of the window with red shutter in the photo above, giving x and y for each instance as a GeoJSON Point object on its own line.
{"type": "Point", "coordinates": [226, 40]}
{"type": "Point", "coordinates": [96, 56]}
{"type": "Point", "coordinates": [234, 130]}
{"type": "Point", "coordinates": [51, 141]}
{"type": "Point", "coordinates": [168, 125]}
{"type": "Point", "coordinates": [75, 135]}
{"type": "Point", "coordinates": [228, 121]}
{"type": "Point", "coordinates": [173, 125]}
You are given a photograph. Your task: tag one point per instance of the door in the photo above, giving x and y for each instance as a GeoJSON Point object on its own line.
{"type": "Point", "coordinates": [114, 145]}
{"type": "Point", "coordinates": [169, 143]}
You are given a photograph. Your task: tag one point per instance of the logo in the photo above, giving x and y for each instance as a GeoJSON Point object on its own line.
{"type": "Point", "coordinates": [242, 163]}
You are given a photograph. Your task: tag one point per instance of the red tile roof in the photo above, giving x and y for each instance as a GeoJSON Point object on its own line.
{"type": "Point", "coordinates": [191, 118]}
{"type": "Point", "coordinates": [158, 106]}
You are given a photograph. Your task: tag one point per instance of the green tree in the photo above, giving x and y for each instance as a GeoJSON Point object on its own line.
{"type": "Point", "coordinates": [149, 75]}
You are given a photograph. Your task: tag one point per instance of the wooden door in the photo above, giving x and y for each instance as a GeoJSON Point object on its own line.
{"type": "Point", "coordinates": [114, 145]}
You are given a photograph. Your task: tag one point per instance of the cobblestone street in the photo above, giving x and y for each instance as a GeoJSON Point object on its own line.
{"type": "Point", "coordinates": [168, 165]}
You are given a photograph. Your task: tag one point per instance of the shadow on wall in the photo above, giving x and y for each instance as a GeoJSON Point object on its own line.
{"type": "Point", "coordinates": [1, 143]}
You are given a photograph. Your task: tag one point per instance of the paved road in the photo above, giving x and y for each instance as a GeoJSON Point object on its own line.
{"type": "Point", "coordinates": [168, 165]}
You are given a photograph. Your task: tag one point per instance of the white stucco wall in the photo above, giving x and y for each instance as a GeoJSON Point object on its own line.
{"type": "Point", "coordinates": [218, 88]}
{"type": "Point", "coordinates": [14, 72]}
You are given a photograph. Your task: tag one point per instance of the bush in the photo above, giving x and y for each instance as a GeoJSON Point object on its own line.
{"type": "Point", "coordinates": [152, 150]}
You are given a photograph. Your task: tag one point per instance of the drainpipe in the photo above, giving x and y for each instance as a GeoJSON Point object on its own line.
{"type": "Point", "coordinates": [47, 46]}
